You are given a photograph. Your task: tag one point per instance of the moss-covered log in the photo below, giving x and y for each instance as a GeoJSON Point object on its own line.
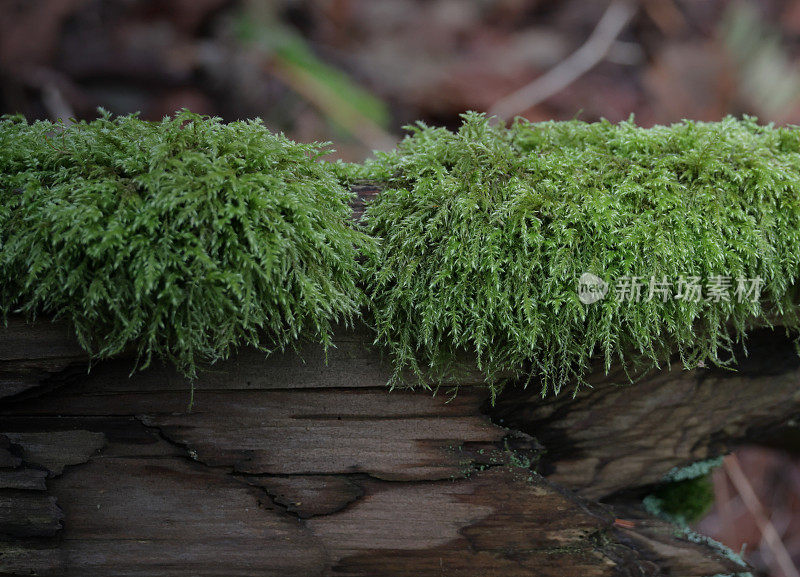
{"type": "Point", "coordinates": [190, 241]}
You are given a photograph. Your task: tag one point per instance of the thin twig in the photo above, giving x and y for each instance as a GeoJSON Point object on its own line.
{"type": "Point", "coordinates": [614, 20]}
{"type": "Point", "coordinates": [723, 498]}
{"type": "Point", "coordinates": [768, 532]}
{"type": "Point", "coordinates": [56, 105]}
{"type": "Point", "coordinates": [53, 86]}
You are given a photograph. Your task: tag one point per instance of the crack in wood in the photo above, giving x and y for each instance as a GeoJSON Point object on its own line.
{"type": "Point", "coordinates": [269, 476]}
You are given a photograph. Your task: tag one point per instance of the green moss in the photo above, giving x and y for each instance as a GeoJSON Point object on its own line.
{"type": "Point", "coordinates": [685, 501]}
{"type": "Point", "coordinates": [485, 232]}
{"type": "Point", "coordinates": [673, 511]}
{"type": "Point", "coordinates": [184, 238]}
{"type": "Point", "coordinates": [189, 237]}
{"type": "Point", "coordinates": [685, 493]}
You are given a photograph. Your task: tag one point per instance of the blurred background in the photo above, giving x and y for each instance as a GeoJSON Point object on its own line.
{"type": "Point", "coordinates": [354, 72]}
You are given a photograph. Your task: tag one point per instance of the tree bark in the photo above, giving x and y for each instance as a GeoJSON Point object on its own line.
{"type": "Point", "coordinates": [287, 465]}
{"type": "Point", "coordinates": [617, 437]}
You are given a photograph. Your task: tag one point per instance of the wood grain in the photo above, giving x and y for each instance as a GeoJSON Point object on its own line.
{"type": "Point", "coordinates": [288, 466]}
{"type": "Point", "coordinates": [616, 436]}
{"type": "Point", "coordinates": [32, 353]}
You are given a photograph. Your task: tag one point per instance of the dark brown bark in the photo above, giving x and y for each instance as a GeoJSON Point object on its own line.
{"type": "Point", "coordinates": [616, 436]}
{"type": "Point", "coordinates": [289, 466]}
{"type": "Point", "coordinates": [32, 354]}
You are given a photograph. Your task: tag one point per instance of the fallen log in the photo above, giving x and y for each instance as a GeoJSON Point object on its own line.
{"type": "Point", "coordinates": [305, 462]}
{"type": "Point", "coordinates": [287, 465]}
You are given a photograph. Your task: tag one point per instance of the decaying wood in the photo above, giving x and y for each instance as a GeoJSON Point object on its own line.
{"type": "Point", "coordinates": [25, 514]}
{"type": "Point", "coordinates": [23, 478]}
{"type": "Point", "coordinates": [617, 437]}
{"type": "Point", "coordinates": [29, 516]}
{"type": "Point", "coordinates": [30, 354]}
{"type": "Point", "coordinates": [310, 495]}
{"type": "Point", "coordinates": [291, 466]}
{"type": "Point", "coordinates": [364, 192]}
{"type": "Point", "coordinates": [54, 450]}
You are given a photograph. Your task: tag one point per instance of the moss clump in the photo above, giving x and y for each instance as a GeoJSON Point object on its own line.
{"type": "Point", "coordinates": [685, 494]}
{"type": "Point", "coordinates": [188, 237]}
{"type": "Point", "coordinates": [183, 238]}
{"type": "Point", "coordinates": [684, 501]}
{"type": "Point", "coordinates": [485, 232]}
